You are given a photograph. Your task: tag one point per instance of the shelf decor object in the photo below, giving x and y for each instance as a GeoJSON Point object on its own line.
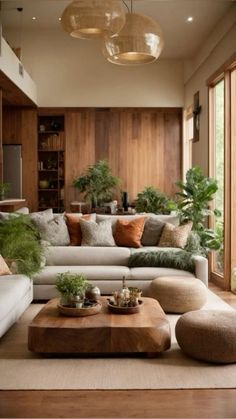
{"type": "Point", "coordinates": [89, 19]}
{"type": "Point", "coordinates": [140, 41]}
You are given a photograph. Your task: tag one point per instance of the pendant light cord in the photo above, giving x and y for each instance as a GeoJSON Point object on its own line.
{"type": "Point", "coordinates": [130, 10]}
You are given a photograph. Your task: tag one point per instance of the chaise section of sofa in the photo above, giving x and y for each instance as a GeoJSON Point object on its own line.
{"type": "Point", "coordinates": [16, 293]}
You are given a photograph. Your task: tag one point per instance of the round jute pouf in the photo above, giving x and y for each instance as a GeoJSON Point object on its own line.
{"type": "Point", "coordinates": [208, 335]}
{"type": "Point", "coordinates": [178, 294]}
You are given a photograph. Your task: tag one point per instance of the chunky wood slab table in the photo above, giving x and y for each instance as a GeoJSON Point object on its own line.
{"type": "Point", "coordinates": [104, 333]}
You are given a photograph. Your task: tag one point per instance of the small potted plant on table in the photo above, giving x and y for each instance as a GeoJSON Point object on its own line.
{"type": "Point", "coordinates": [72, 289]}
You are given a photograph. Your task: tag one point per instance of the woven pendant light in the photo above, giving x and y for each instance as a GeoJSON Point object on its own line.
{"type": "Point", "coordinates": [139, 42]}
{"type": "Point", "coordinates": [89, 19]}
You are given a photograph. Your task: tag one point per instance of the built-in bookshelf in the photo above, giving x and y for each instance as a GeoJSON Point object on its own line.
{"type": "Point", "coordinates": [51, 162]}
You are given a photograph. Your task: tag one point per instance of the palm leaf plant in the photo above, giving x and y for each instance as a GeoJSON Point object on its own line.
{"type": "Point", "coordinates": [193, 205]}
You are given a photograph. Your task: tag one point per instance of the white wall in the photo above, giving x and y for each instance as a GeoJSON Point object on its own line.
{"type": "Point", "coordinates": [73, 73]}
{"type": "Point", "coordinates": [9, 65]}
{"type": "Point", "coordinates": [219, 47]}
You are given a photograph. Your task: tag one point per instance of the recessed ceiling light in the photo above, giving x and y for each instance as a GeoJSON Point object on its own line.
{"type": "Point", "coordinates": [190, 19]}
{"type": "Point", "coordinates": [33, 18]}
{"type": "Point", "coordinates": [59, 18]}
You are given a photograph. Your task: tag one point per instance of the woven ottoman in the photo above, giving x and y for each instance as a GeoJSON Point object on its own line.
{"type": "Point", "coordinates": [208, 335]}
{"type": "Point", "coordinates": [178, 294]}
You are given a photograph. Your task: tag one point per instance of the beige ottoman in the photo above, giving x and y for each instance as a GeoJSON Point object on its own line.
{"type": "Point", "coordinates": [178, 294]}
{"type": "Point", "coordinates": [208, 335]}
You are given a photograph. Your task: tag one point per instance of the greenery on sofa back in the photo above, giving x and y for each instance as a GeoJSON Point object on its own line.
{"type": "Point", "coordinates": [20, 244]}
{"type": "Point", "coordinates": [179, 259]}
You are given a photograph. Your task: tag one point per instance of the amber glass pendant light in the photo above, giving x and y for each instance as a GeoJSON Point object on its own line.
{"type": "Point", "coordinates": [89, 19]}
{"type": "Point", "coordinates": [140, 41]}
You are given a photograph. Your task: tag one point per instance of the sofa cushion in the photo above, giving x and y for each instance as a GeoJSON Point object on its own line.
{"type": "Point", "coordinates": [12, 289]}
{"type": "Point", "coordinates": [129, 233]}
{"type": "Point", "coordinates": [72, 256]}
{"type": "Point", "coordinates": [152, 231]}
{"type": "Point", "coordinates": [97, 234]}
{"type": "Point", "coordinates": [47, 215]}
{"type": "Point", "coordinates": [152, 273]}
{"type": "Point", "coordinates": [49, 274]}
{"type": "Point", "coordinates": [4, 270]}
{"type": "Point", "coordinates": [175, 236]}
{"type": "Point", "coordinates": [74, 229]}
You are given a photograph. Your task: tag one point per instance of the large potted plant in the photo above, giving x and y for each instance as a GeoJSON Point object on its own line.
{"type": "Point", "coordinates": [20, 244]}
{"type": "Point", "coordinates": [154, 201]}
{"type": "Point", "coordinates": [97, 183]}
{"type": "Point", "coordinates": [193, 205]}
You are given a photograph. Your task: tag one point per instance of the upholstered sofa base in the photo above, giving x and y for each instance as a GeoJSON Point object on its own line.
{"type": "Point", "coordinates": [18, 303]}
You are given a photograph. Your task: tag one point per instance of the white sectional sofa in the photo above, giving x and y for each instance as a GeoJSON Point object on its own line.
{"type": "Point", "coordinates": [16, 293]}
{"type": "Point", "coordinates": [104, 267]}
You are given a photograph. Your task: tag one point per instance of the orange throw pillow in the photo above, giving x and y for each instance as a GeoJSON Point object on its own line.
{"type": "Point", "coordinates": [4, 270]}
{"type": "Point", "coordinates": [73, 225]}
{"type": "Point", "coordinates": [129, 233]}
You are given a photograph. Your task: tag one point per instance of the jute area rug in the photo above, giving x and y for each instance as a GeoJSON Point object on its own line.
{"type": "Point", "coordinates": [22, 370]}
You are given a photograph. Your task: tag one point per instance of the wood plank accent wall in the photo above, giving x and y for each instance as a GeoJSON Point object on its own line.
{"type": "Point", "coordinates": [20, 127]}
{"type": "Point", "coordinates": [143, 146]}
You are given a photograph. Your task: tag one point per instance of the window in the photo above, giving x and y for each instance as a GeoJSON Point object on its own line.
{"type": "Point", "coordinates": [222, 151]}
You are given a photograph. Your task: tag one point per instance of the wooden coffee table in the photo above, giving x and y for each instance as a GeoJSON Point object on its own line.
{"type": "Point", "coordinates": [104, 333]}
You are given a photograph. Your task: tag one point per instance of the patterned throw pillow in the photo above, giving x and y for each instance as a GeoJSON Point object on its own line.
{"type": "Point", "coordinates": [129, 233]}
{"type": "Point", "coordinates": [73, 225]}
{"type": "Point", "coordinates": [4, 270]}
{"type": "Point", "coordinates": [175, 236]}
{"type": "Point", "coordinates": [53, 231]}
{"type": "Point", "coordinates": [94, 234]}
{"type": "Point", "coordinates": [152, 231]}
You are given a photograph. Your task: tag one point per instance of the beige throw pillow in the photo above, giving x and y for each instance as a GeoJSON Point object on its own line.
{"type": "Point", "coordinates": [175, 236]}
{"type": "Point", "coordinates": [94, 234]}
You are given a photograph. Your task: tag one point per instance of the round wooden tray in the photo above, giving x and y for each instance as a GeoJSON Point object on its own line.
{"type": "Point", "coordinates": [80, 312]}
{"type": "Point", "coordinates": [124, 310]}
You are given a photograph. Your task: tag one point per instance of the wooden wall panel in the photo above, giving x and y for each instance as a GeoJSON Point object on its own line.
{"type": "Point", "coordinates": [80, 148]}
{"type": "Point", "coordinates": [20, 127]}
{"type": "Point", "coordinates": [143, 147]}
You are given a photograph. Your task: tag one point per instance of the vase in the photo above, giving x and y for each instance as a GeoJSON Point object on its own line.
{"type": "Point", "coordinates": [43, 184]}
{"type": "Point", "coordinates": [92, 293]}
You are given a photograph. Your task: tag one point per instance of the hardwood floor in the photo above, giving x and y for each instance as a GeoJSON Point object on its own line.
{"type": "Point", "coordinates": [212, 403]}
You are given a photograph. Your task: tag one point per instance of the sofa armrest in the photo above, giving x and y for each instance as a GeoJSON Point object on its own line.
{"type": "Point", "coordinates": [201, 268]}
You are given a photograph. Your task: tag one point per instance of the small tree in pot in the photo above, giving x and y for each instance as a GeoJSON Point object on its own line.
{"type": "Point", "coordinates": [72, 288]}
{"type": "Point", "coordinates": [97, 183]}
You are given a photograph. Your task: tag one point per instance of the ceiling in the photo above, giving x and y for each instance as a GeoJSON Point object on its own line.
{"type": "Point", "coordinates": [182, 38]}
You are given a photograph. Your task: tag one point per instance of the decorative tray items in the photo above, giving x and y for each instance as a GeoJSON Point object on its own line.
{"type": "Point", "coordinates": [78, 297]}
{"type": "Point", "coordinates": [125, 301]}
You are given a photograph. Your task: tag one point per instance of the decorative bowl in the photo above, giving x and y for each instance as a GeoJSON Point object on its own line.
{"type": "Point", "coordinates": [90, 310]}
{"type": "Point", "coordinates": [124, 310]}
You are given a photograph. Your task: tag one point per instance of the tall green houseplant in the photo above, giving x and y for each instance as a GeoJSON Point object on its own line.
{"type": "Point", "coordinates": [97, 183]}
{"type": "Point", "coordinates": [193, 205]}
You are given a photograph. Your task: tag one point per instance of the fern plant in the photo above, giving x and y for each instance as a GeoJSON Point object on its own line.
{"type": "Point", "coordinates": [20, 243]}
{"type": "Point", "coordinates": [154, 201]}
